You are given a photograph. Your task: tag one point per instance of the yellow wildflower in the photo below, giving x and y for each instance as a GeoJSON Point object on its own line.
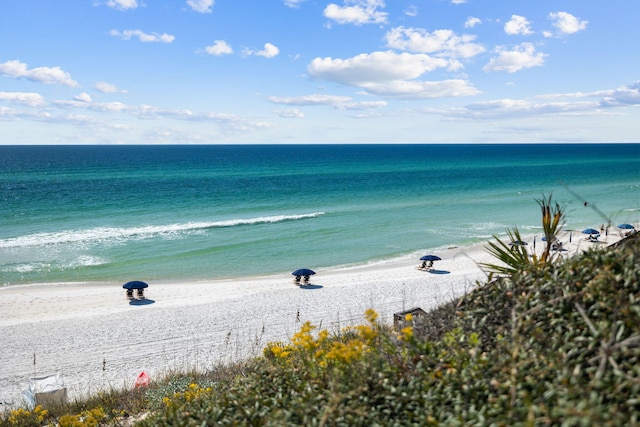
{"type": "Point", "coordinates": [371, 315]}
{"type": "Point", "coordinates": [406, 333]}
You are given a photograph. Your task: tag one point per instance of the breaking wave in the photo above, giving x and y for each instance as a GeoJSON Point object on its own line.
{"type": "Point", "coordinates": [118, 234]}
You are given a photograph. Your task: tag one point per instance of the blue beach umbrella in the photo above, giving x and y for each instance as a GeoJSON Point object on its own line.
{"type": "Point", "coordinates": [590, 231]}
{"type": "Point", "coordinates": [626, 226]}
{"type": "Point", "coordinates": [303, 272]}
{"type": "Point", "coordinates": [135, 284]}
{"type": "Point", "coordinates": [430, 258]}
{"type": "Point", "coordinates": [518, 243]}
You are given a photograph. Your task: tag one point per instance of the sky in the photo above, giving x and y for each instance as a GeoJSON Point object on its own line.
{"type": "Point", "coordinates": [319, 71]}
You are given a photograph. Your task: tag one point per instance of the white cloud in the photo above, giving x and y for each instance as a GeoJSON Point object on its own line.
{"type": "Point", "coordinates": [472, 22]}
{"type": "Point", "coordinates": [566, 23]}
{"type": "Point", "coordinates": [30, 99]}
{"type": "Point", "coordinates": [337, 102]}
{"type": "Point", "coordinates": [142, 36]}
{"type": "Point", "coordinates": [519, 107]}
{"type": "Point", "coordinates": [293, 3]}
{"type": "Point", "coordinates": [622, 96]}
{"type": "Point", "coordinates": [219, 47]}
{"type": "Point", "coordinates": [411, 11]}
{"type": "Point", "coordinates": [105, 107]}
{"type": "Point", "coordinates": [81, 120]}
{"type": "Point", "coordinates": [440, 42]}
{"type": "Point", "coordinates": [521, 57]}
{"type": "Point", "coordinates": [229, 122]}
{"type": "Point", "coordinates": [390, 74]}
{"type": "Point", "coordinates": [122, 4]}
{"type": "Point", "coordinates": [11, 114]}
{"type": "Point", "coordinates": [105, 87]}
{"type": "Point", "coordinates": [515, 109]}
{"type": "Point", "coordinates": [83, 97]}
{"type": "Point", "coordinates": [366, 105]}
{"type": "Point", "coordinates": [357, 12]}
{"type": "Point", "coordinates": [46, 75]}
{"type": "Point", "coordinates": [374, 67]}
{"type": "Point", "coordinates": [518, 25]}
{"type": "Point", "coordinates": [316, 99]}
{"type": "Point", "coordinates": [413, 89]}
{"type": "Point", "coordinates": [568, 104]}
{"type": "Point", "coordinates": [290, 113]}
{"type": "Point", "coordinates": [458, 1]}
{"type": "Point", "coordinates": [75, 112]}
{"type": "Point", "coordinates": [201, 6]}
{"type": "Point", "coordinates": [269, 51]}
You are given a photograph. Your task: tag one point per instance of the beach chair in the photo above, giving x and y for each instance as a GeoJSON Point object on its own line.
{"type": "Point", "coordinates": [141, 293]}
{"type": "Point", "coordinates": [296, 281]}
{"type": "Point", "coordinates": [129, 293]}
{"type": "Point", "coordinates": [305, 281]}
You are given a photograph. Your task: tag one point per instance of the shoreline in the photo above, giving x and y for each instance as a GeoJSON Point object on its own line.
{"type": "Point", "coordinates": [92, 335]}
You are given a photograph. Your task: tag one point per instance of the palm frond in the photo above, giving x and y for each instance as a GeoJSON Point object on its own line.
{"type": "Point", "coordinates": [514, 257]}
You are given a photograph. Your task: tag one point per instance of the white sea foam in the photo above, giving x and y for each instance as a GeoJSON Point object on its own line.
{"type": "Point", "coordinates": [118, 234]}
{"type": "Point", "coordinates": [79, 262]}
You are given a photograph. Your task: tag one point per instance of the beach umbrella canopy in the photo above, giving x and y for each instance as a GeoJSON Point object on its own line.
{"type": "Point", "coordinates": [303, 272]}
{"type": "Point", "coordinates": [135, 284]}
{"type": "Point", "coordinates": [590, 231]}
{"type": "Point", "coordinates": [519, 243]}
{"type": "Point", "coordinates": [430, 258]}
{"type": "Point", "coordinates": [626, 226]}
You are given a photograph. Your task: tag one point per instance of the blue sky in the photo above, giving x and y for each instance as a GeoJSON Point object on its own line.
{"type": "Point", "coordinates": [318, 71]}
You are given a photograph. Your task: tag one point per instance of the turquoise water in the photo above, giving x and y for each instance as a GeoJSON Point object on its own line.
{"type": "Point", "coordinates": [117, 213]}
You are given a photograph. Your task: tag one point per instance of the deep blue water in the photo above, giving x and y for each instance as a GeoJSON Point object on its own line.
{"type": "Point", "coordinates": [115, 213]}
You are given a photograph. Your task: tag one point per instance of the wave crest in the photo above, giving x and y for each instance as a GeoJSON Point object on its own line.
{"type": "Point", "coordinates": [119, 234]}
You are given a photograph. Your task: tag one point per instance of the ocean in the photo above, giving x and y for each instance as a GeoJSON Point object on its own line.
{"type": "Point", "coordinates": [188, 213]}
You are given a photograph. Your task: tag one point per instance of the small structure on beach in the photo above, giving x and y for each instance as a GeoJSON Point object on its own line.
{"type": "Point", "coordinates": [47, 391]}
{"type": "Point", "coordinates": [400, 319]}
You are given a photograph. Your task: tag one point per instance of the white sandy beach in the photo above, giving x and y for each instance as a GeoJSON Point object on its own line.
{"type": "Point", "coordinates": [97, 339]}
